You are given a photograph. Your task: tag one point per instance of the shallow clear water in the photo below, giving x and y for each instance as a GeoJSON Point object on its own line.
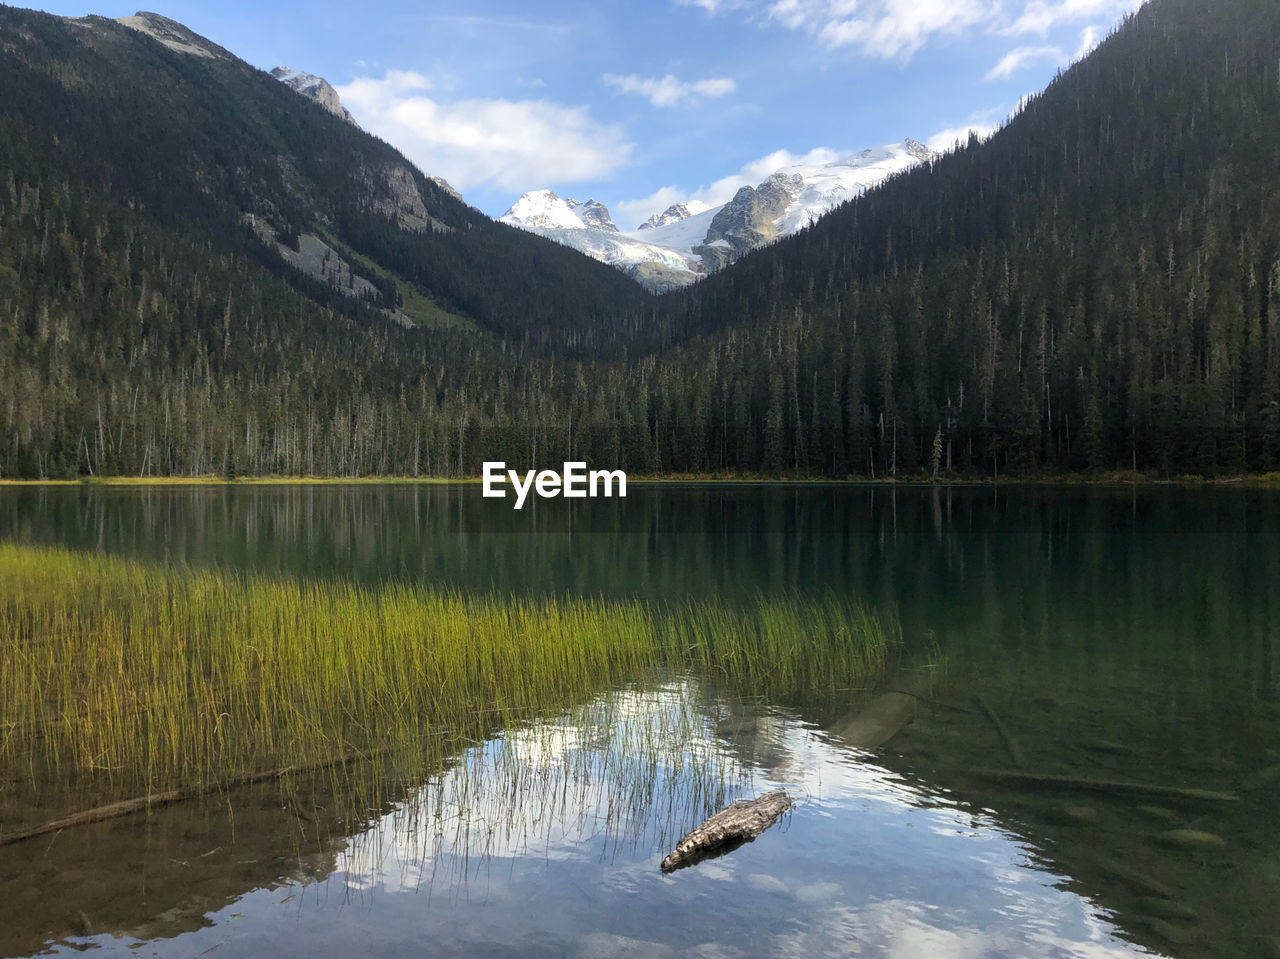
{"type": "Point", "coordinates": [1119, 635]}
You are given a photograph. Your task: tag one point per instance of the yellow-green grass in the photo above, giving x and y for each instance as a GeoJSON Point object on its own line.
{"type": "Point", "coordinates": [121, 674]}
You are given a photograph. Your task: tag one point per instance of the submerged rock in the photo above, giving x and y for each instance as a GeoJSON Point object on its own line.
{"type": "Point", "coordinates": [1160, 813]}
{"type": "Point", "coordinates": [1192, 839]}
{"type": "Point", "coordinates": [1169, 932]}
{"type": "Point", "coordinates": [818, 892]}
{"type": "Point", "coordinates": [1072, 815]}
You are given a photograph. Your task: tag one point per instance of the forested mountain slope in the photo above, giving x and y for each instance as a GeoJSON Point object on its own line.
{"type": "Point", "coordinates": [1096, 286]}
{"type": "Point", "coordinates": [154, 194]}
{"type": "Point", "coordinates": [153, 118]}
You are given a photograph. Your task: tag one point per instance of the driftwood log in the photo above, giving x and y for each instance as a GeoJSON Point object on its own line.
{"type": "Point", "coordinates": [730, 827]}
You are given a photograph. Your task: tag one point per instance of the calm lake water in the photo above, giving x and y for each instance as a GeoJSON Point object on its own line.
{"type": "Point", "coordinates": [1115, 635]}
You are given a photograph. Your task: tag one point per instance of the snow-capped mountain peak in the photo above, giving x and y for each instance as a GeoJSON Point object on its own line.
{"type": "Point", "coordinates": [687, 240]}
{"type": "Point", "coordinates": [674, 214]}
{"type": "Point", "coordinates": [919, 150]}
{"type": "Point", "coordinates": [543, 210]}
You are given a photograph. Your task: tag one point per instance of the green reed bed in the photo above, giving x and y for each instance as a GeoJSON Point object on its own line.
{"type": "Point", "coordinates": [122, 674]}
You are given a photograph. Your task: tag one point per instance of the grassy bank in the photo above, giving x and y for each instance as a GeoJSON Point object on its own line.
{"type": "Point", "coordinates": [121, 674]}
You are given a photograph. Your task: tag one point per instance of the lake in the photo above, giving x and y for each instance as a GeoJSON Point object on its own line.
{"type": "Point", "coordinates": [1089, 768]}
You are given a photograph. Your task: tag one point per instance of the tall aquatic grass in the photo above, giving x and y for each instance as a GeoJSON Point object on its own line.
{"type": "Point", "coordinates": [123, 674]}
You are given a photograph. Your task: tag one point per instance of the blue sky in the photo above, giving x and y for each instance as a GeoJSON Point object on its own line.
{"type": "Point", "coordinates": [642, 104]}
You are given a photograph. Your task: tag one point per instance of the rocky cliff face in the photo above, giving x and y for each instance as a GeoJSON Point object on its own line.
{"type": "Point", "coordinates": [313, 88]}
{"type": "Point", "coordinates": [749, 220]}
{"type": "Point", "coordinates": [593, 214]}
{"type": "Point", "coordinates": [394, 193]}
{"type": "Point", "coordinates": [443, 184]}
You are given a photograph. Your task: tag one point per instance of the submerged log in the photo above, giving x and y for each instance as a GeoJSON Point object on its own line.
{"type": "Point", "coordinates": [1011, 744]}
{"type": "Point", "coordinates": [884, 715]}
{"type": "Point", "coordinates": [1113, 786]}
{"type": "Point", "coordinates": [127, 807]}
{"type": "Point", "coordinates": [1135, 879]}
{"type": "Point", "coordinates": [738, 823]}
{"type": "Point", "coordinates": [97, 814]}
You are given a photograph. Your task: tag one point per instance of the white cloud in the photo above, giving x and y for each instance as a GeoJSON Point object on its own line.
{"type": "Point", "coordinates": [1040, 16]}
{"type": "Point", "coordinates": [898, 28]}
{"type": "Point", "coordinates": [1088, 40]}
{"type": "Point", "coordinates": [668, 91]}
{"type": "Point", "coordinates": [1020, 57]}
{"type": "Point", "coordinates": [982, 123]}
{"type": "Point", "coordinates": [632, 212]}
{"type": "Point", "coordinates": [393, 83]}
{"type": "Point", "coordinates": [945, 140]}
{"type": "Point", "coordinates": [883, 28]}
{"type": "Point", "coordinates": [507, 144]}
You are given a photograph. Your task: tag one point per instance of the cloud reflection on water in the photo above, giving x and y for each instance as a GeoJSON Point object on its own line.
{"type": "Point", "coordinates": [539, 838]}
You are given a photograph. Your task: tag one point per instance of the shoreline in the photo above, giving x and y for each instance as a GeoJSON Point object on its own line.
{"type": "Point", "coordinates": [1113, 479]}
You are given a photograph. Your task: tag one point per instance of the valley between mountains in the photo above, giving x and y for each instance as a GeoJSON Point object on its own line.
{"type": "Point", "coordinates": [208, 269]}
